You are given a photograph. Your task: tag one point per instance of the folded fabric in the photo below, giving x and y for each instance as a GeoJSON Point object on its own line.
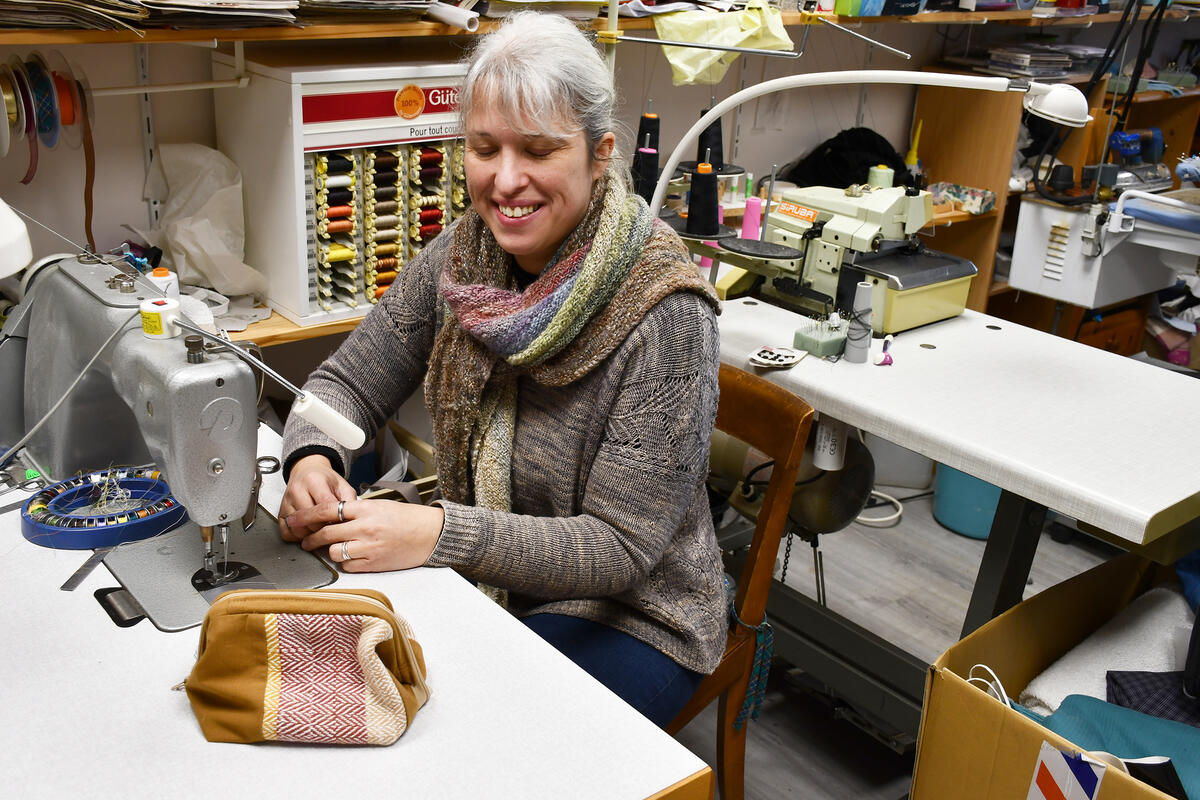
{"type": "Point", "coordinates": [1159, 694]}
{"type": "Point", "coordinates": [1140, 638]}
{"type": "Point", "coordinates": [1096, 725]}
{"type": "Point", "coordinates": [757, 26]}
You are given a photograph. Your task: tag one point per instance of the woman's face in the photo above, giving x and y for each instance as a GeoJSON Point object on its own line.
{"type": "Point", "coordinates": [530, 190]}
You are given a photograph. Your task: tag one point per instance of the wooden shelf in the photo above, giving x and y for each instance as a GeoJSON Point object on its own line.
{"type": "Point", "coordinates": [277, 329]}
{"type": "Point", "coordinates": [385, 27]}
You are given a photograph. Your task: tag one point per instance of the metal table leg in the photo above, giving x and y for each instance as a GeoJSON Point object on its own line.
{"type": "Point", "coordinates": [1003, 573]}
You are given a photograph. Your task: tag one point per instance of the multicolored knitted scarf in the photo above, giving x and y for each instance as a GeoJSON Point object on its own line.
{"type": "Point", "coordinates": [613, 268]}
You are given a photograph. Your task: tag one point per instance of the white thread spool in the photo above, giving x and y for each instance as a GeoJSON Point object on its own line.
{"type": "Point", "coordinates": [165, 280]}
{"type": "Point", "coordinates": [159, 316]}
{"type": "Point", "coordinates": [829, 448]}
{"type": "Point", "coordinates": [858, 336]}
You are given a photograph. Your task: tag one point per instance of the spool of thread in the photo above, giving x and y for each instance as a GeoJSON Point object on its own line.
{"type": "Point", "coordinates": [166, 281]}
{"type": "Point", "coordinates": [645, 172]}
{"type": "Point", "coordinates": [386, 207]}
{"type": "Point", "coordinates": [429, 174]}
{"type": "Point", "coordinates": [333, 212]}
{"type": "Point", "coordinates": [751, 218]}
{"type": "Point", "coordinates": [385, 160]}
{"type": "Point", "coordinates": [829, 447]}
{"type": "Point", "coordinates": [159, 315]}
{"type": "Point", "coordinates": [387, 249]}
{"type": "Point", "coordinates": [337, 197]}
{"type": "Point", "coordinates": [339, 226]}
{"type": "Point", "coordinates": [339, 181]}
{"type": "Point", "coordinates": [386, 192]}
{"type": "Point", "coordinates": [338, 163]}
{"type": "Point", "coordinates": [710, 142]}
{"type": "Point", "coordinates": [385, 178]}
{"type": "Point", "coordinates": [379, 290]}
{"type": "Point", "coordinates": [429, 215]}
{"type": "Point", "coordinates": [431, 157]}
{"type": "Point", "coordinates": [386, 221]}
{"type": "Point", "coordinates": [881, 176]}
{"type": "Point", "coordinates": [648, 125]}
{"type": "Point", "coordinates": [387, 265]}
{"type": "Point", "coordinates": [702, 205]}
{"type": "Point", "coordinates": [430, 231]}
{"type": "Point", "coordinates": [858, 336]}
{"type": "Point", "coordinates": [705, 261]}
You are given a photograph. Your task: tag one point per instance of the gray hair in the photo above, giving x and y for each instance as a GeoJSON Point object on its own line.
{"type": "Point", "coordinates": [543, 75]}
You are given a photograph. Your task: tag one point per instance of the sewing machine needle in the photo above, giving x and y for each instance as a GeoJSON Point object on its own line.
{"type": "Point", "coordinates": [85, 569]}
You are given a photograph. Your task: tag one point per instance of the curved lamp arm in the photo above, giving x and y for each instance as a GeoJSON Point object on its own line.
{"type": "Point", "coordinates": [1075, 118]}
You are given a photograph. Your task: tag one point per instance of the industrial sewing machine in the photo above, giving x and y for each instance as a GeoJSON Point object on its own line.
{"type": "Point", "coordinates": [189, 408]}
{"type": "Point", "coordinates": [862, 233]}
{"type": "Point", "coordinates": [1103, 253]}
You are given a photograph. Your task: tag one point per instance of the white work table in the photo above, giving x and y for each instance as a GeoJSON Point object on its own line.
{"type": "Point", "coordinates": [1104, 439]}
{"type": "Point", "coordinates": [89, 709]}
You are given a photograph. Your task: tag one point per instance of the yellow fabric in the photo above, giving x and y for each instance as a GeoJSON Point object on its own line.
{"type": "Point", "coordinates": [757, 26]}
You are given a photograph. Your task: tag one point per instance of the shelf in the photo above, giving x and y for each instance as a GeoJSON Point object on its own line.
{"type": "Point", "coordinates": [954, 217]}
{"type": "Point", "coordinates": [277, 329]}
{"type": "Point", "coordinates": [383, 27]}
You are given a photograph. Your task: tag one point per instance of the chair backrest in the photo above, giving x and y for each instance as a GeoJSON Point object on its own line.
{"type": "Point", "coordinates": [776, 422]}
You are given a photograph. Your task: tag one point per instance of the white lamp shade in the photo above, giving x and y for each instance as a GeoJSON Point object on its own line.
{"type": "Point", "coordinates": [1061, 103]}
{"type": "Point", "coordinates": [15, 249]}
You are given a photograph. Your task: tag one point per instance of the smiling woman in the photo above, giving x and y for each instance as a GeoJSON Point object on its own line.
{"type": "Point", "coordinates": [568, 349]}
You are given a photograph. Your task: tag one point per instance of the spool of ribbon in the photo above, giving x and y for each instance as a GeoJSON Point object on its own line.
{"type": "Point", "coordinates": [25, 95]}
{"type": "Point", "coordinates": [45, 100]}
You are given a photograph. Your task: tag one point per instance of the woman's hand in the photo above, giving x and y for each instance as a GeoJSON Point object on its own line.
{"type": "Point", "coordinates": [375, 536]}
{"type": "Point", "coordinates": [311, 482]}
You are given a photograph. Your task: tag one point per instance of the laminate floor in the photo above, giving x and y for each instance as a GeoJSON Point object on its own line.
{"type": "Point", "coordinates": [910, 584]}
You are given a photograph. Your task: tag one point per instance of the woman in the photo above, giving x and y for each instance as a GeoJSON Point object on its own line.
{"type": "Point", "coordinates": [569, 356]}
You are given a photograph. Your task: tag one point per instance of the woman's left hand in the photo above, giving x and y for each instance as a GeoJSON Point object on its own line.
{"type": "Point", "coordinates": [372, 535]}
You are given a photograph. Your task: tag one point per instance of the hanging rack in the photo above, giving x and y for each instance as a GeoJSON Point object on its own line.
{"type": "Point", "coordinates": [240, 81]}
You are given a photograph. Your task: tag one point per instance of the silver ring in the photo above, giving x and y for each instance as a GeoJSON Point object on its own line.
{"type": "Point", "coordinates": [341, 513]}
{"type": "Point", "coordinates": [345, 555]}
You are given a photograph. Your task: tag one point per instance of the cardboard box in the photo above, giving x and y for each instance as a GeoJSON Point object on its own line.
{"type": "Point", "coordinates": [971, 745]}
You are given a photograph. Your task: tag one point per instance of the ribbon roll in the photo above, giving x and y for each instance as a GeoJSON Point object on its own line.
{"type": "Point", "coordinates": [66, 99]}
{"type": "Point", "coordinates": [387, 221]}
{"type": "Point", "coordinates": [26, 95]}
{"type": "Point", "coordinates": [10, 100]}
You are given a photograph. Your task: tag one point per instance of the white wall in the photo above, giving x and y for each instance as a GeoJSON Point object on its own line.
{"type": "Point", "coordinates": [55, 196]}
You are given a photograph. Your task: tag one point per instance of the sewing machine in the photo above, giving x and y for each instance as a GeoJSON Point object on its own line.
{"type": "Point", "coordinates": [190, 409]}
{"type": "Point", "coordinates": [862, 233]}
{"type": "Point", "coordinates": [1099, 254]}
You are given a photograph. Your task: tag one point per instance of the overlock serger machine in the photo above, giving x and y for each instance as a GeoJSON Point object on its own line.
{"type": "Point", "coordinates": [99, 350]}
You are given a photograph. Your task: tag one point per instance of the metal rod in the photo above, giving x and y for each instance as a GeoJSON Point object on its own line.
{"type": "Point", "coordinates": [752, 51]}
{"type": "Point", "coordinates": [762, 231]}
{"type": "Point", "coordinates": [868, 39]}
{"type": "Point", "coordinates": [242, 354]}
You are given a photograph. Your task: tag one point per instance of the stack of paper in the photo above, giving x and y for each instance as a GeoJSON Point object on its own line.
{"type": "Point", "coordinates": [95, 14]}
{"type": "Point", "coordinates": [220, 13]}
{"type": "Point", "coordinates": [407, 8]}
{"type": "Point", "coordinates": [572, 9]}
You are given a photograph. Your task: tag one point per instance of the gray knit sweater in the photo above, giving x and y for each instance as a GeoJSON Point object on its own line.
{"type": "Point", "coordinates": [610, 518]}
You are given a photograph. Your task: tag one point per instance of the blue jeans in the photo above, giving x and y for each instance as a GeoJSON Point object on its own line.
{"type": "Point", "coordinates": [640, 675]}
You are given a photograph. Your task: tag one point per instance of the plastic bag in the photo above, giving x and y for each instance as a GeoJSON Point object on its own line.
{"type": "Point", "coordinates": [202, 231]}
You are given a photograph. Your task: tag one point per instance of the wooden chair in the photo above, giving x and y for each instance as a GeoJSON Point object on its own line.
{"type": "Point", "coordinates": [775, 421]}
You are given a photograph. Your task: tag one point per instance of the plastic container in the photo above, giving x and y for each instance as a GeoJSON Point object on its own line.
{"type": "Point", "coordinates": [898, 466]}
{"type": "Point", "coordinates": [964, 504]}
{"type": "Point", "coordinates": [165, 280]}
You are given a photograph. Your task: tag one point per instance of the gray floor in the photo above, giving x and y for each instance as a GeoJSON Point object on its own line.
{"type": "Point", "coordinates": [909, 584]}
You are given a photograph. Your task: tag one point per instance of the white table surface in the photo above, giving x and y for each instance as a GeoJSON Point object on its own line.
{"type": "Point", "coordinates": [88, 711]}
{"type": "Point", "coordinates": [1099, 437]}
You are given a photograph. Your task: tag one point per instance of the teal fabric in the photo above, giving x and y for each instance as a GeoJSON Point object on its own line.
{"type": "Point", "coordinates": [1096, 725]}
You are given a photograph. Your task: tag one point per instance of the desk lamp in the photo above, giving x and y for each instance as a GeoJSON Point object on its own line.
{"type": "Point", "coordinates": [15, 249]}
{"type": "Point", "coordinates": [1059, 103]}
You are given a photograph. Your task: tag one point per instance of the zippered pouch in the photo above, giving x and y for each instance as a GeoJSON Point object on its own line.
{"type": "Point", "coordinates": [316, 666]}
